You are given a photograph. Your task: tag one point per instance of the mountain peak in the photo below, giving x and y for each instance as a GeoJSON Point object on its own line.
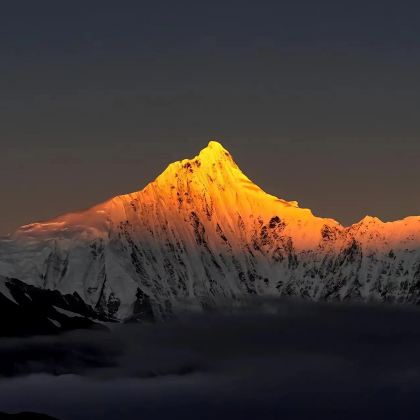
{"type": "Point", "coordinates": [370, 220]}
{"type": "Point", "coordinates": [203, 230]}
{"type": "Point", "coordinates": [214, 144]}
{"type": "Point", "coordinates": [215, 147]}
{"type": "Point", "coordinates": [210, 161]}
{"type": "Point", "coordinates": [214, 152]}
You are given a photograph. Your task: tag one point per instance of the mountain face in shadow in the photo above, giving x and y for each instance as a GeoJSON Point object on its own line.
{"type": "Point", "coordinates": [26, 310]}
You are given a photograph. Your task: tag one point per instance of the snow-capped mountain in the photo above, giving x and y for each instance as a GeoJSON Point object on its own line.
{"type": "Point", "coordinates": [202, 231]}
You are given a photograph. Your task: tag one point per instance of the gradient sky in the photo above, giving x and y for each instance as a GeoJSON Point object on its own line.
{"type": "Point", "coordinates": [317, 101]}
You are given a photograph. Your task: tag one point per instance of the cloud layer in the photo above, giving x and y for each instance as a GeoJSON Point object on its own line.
{"type": "Point", "coordinates": [269, 359]}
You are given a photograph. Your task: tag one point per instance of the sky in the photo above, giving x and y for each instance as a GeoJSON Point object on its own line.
{"type": "Point", "coordinates": [317, 101]}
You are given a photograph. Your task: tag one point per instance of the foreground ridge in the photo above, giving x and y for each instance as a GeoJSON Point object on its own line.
{"type": "Point", "coordinates": [203, 231]}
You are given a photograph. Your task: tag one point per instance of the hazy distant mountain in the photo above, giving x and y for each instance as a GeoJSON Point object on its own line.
{"type": "Point", "coordinates": [202, 231]}
{"type": "Point", "coordinates": [25, 416]}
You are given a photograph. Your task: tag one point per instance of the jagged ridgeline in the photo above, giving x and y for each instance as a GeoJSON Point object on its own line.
{"type": "Point", "coordinates": [201, 232]}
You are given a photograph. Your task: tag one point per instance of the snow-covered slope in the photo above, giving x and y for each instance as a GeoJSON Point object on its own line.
{"type": "Point", "coordinates": [203, 231]}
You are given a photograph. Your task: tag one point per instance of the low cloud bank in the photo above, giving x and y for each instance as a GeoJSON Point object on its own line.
{"type": "Point", "coordinates": [267, 359]}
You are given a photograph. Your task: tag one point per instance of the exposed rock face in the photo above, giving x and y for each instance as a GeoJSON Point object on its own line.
{"type": "Point", "coordinates": [27, 310]}
{"type": "Point", "coordinates": [203, 231]}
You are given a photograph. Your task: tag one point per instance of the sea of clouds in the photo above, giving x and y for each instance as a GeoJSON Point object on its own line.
{"type": "Point", "coordinates": [266, 359]}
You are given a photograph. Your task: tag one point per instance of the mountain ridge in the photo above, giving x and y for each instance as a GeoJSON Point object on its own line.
{"type": "Point", "coordinates": [202, 230]}
{"type": "Point", "coordinates": [212, 145]}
